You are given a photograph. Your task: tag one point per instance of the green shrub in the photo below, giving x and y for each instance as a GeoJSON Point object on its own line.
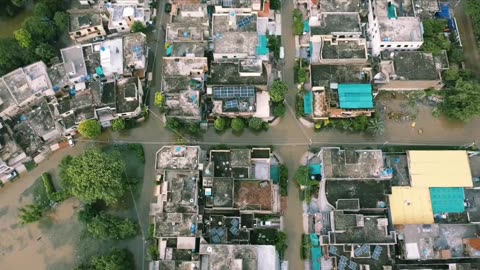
{"type": "Point", "coordinates": [279, 110]}
{"type": "Point", "coordinates": [283, 180]}
{"type": "Point", "coordinates": [220, 124]}
{"type": "Point", "coordinates": [118, 124]}
{"type": "Point", "coordinates": [255, 123]}
{"type": "Point", "coordinates": [48, 184]}
{"type": "Point", "coordinates": [153, 252]}
{"type": "Point", "coordinates": [238, 124]}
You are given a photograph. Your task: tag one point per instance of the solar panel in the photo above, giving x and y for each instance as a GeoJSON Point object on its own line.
{"type": "Point", "coordinates": [343, 262]}
{"type": "Point", "coordinates": [220, 232]}
{"type": "Point", "coordinates": [234, 222]}
{"type": "Point", "coordinates": [353, 265]}
{"type": "Point", "coordinates": [376, 252]}
{"type": "Point", "coordinates": [233, 92]}
{"type": "Point", "coordinates": [333, 250]}
{"type": "Point", "coordinates": [361, 250]}
{"type": "Point", "coordinates": [246, 21]}
{"type": "Point", "coordinates": [234, 230]}
{"type": "Point", "coordinates": [227, 3]}
{"type": "Point", "coordinates": [231, 104]}
{"type": "Point", "coordinates": [215, 239]}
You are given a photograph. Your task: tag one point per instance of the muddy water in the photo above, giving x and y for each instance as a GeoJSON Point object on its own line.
{"type": "Point", "coordinates": [10, 24]}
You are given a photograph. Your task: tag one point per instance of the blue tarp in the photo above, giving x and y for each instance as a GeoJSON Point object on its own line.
{"type": "Point", "coordinates": [314, 239]}
{"type": "Point", "coordinates": [316, 255]}
{"type": "Point", "coordinates": [444, 12]}
{"type": "Point", "coordinates": [170, 50]}
{"type": "Point", "coordinates": [306, 26]}
{"type": "Point", "coordinates": [262, 48]}
{"type": "Point", "coordinates": [355, 96]}
{"type": "Point", "coordinates": [308, 103]}
{"type": "Point", "coordinates": [315, 169]}
{"type": "Point", "coordinates": [275, 173]}
{"type": "Point", "coordinates": [447, 200]}
{"type": "Point", "coordinates": [99, 71]}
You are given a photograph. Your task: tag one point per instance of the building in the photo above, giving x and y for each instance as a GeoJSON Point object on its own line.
{"type": "Point", "coordinates": [135, 55]}
{"type": "Point", "coordinates": [182, 85]}
{"type": "Point", "coordinates": [338, 51]}
{"type": "Point", "coordinates": [217, 257]}
{"type": "Point", "coordinates": [404, 71]}
{"type": "Point", "coordinates": [393, 26]}
{"type": "Point", "coordinates": [85, 24]}
{"type": "Point", "coordinates": [123, 14]}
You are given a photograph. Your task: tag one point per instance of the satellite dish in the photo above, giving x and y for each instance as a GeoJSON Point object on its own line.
{"type": "Point", "coordinates": [209, 249]}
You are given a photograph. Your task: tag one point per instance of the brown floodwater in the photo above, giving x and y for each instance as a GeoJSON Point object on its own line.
{"type": "Point", "coordinates": [10, 24]}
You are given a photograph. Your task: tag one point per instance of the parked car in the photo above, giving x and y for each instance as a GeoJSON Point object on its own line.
{"type": "Point", "coordinates": [12, 175]}
{"type": "Point", "coordinates": [101, 38]}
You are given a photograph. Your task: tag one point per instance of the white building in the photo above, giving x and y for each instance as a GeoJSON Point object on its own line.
{"type": "Point", "coordinates": [393, 26]}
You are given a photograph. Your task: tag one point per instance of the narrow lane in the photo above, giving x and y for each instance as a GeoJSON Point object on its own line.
{"type": "Point", "coordinates": [465, 27]}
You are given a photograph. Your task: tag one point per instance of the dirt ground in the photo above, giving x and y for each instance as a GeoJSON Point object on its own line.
{"type": "Point", "coordinates": [58, 240]}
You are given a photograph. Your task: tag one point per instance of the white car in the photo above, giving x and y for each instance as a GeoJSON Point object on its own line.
{"type": "Point", "coordinates": [70, 141]}
{"type": "Point", "coordinates": [12, 175]}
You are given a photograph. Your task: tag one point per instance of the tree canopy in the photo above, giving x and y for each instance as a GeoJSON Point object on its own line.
{"type": "Point", "coordinates": [61, 20]}
{"type": "Point", "coordinates": [118, 124]}
{"type": "Point", "coordinates": [297, 22]}
{"type": "Point", "coordinates": [90, 128]}
{"type": "Point", "coordinates": [220, 124]}
{"type": "Point", "coordinates": [104, 226]}
{"type": "Point", "coordinates": [23, 37]}
{"type": "Point", "coordinates": [95, 175]}
{"type": "Point", "coordinates": [279, 110]}
{"type": "Point", "coordinates": [375, 127]}
{"type": "Point", "coordinates": [278, 91]}
{"type": "Point", "coordinates": [238, 124]}
{"type": "Point", "coordinates": [117, 259]}
{"type": "Point", "coordinates": [138, 27]}
{"type": "Point", "coordinates": [41, 29]}
{"type": "Point", "coordinates": [302, 177]}
{"type": "Point", "coordinates": [11, 55]}
{"type": "Point", "coordinates": [255, 123]}
{"type": "Point", "coordinates": [45, 52]}
{"type": "Point", "coordinates": [463, 101]}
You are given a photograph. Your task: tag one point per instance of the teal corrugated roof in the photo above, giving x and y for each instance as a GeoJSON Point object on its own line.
{"type": "Point", "coordinates": [316, 255]}
{"type": "Point", "coordinates": [306, 26]}
{"type": "Point", "coordinates": [392, 12]}
{"type": "Point", "coordinates": [275, 173]}
{"type": "Point", "coordinates": [314, 239]}
{"type": "Point", "coordinates": [447, 200]}
{"type": "Point", "coordinates": [308, 103]}
{"type": "Point", "coordinates": [355, 96]}
{"type": "Point", "coordinates": [262, 48]}
{"type": "Point", "coordinates": [170, 50]}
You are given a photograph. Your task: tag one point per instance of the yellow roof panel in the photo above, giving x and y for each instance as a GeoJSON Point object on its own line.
{"type": "Point", "coordinates": [410, 205]}
{"type": "Point", "coordinates": [439, 169]}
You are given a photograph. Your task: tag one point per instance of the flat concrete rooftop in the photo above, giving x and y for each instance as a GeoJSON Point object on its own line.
{"type": "Point", "coordinates": [178, 157]}
{"type": "Point", "coordinates": [183, 66]}
{"type": "Point", "coordinates": [80, 21]}
{"type": "Point", "coordinates": [181, 191]}
{"type": "Point", "coordinates": [352, 164]}
{"type": "Point", "coordinates": [329, 23]}
{"type": "Point", "coordinates": [340, 5]}
{"type": "Point", "coordinates": [344, 49]}
{"type": "Point", "coordinates": [237, 42]}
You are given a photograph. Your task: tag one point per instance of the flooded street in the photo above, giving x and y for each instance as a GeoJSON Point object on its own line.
{"type": "Point", "coordinates": [10, 24]}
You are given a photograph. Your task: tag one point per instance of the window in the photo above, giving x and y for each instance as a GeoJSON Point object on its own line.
{"type": "Point", "coordinates": [99, 34]}
{"type": "Point", "coordinates": [398, 46]}
{"type": "Point", "coordinates": [381, 46]}
{"type": "Point", "coordinates": [96, 28]}
{"type": "Point", "coordinates": [405, 46]}
{"type": "Point", "coordinates": [89, 30]}
{"type": "Point", "coordinates": [388, 46]}
{"type": "Point", "coordinates": [120, 23]}
{"type": "Point", "coordinates": [123, 28]}
{"type": "Point", "coordinates": [78, 33]}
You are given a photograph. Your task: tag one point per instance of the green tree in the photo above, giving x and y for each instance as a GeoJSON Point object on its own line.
{"type": "Point", "coordinates": [302, 75]}
{"type": "Point", "coordinates": [278, 91]}
{"type": "Point", "coordinates": [375, 127]}
{"type": "Point", "coordinates": [159, 100]}
{"type": "Point", "coordinates": [138, 27]}
{"type": "Point", "coordinates": [42, 10]}
{"type": "Point", "coordinates": [302, 177]}
{"type": "Point", "coordinates": [12, 56]}
{"type": "Point", "coordinates": [41, 29]}
{"type": "Point", "coordinates": [90, 128]}
{"type": "Point", "coordinates": [275, 4]}
{"type": "Point", "coordinates": [118, 124]}
{"type": "Point", "coordinates": [283, 180]}
{"type": "Point", "coordinates": [104, 226]}
{"type": "Point", "coordinates": [281, 243]}
{"type": "Point", "coordinates": [23, 37]}
{"type": "Point", "coordinates": [95, 175]}
{"type": "Point", "coordinates": [18, 3]}
{"type": "Point", "coordinates": [274, 44]}
{"type": "Point", "coordinates": [452, 74]}
{"type": "Point", "coordinates": [456, 55]}
{"type": "Point", "coordinates": [255, 123]}
{"type": "Point", "coordinates": [433, 27]}
{"type": "Point", "coordinates": [61, 20]}
{"type": "Point", "coordinates": [297, 22]}
{"type": "Point", "coordinates": [30, 213]}
{"type": "Point", "coordinates": [153, 252]}
{"type": "Point", "coordinates": [45, 52]}
{"type": "Point", "coordinates": [238, 124]}
{"type": "Point", "coordinates": [220, 124]}
{"type": "Point", "coordinates": [279, 110]}
{"type": "Point", "coordinates": [463, 101]}
{"type": "Point", "coordinates": [117, 259]}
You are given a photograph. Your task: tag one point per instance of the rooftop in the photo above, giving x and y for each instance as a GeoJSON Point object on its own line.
{"type": "Point", "coordinates": [84, 20]}
{"type": "Point", "coordinates": [184, 49]}
{"type": "Point", "coordinates": [352, 164]}
{"type": "Point", "coordinates": [361, 229]}
{"type": "Point", "coordinates": [184, 104]}
{"type": "Point", "coordinates": [237, 43]}
{"type": "Point", "coordinates": [344, 49]}
{"type": "Point", "coordinates": [220, 159]}
{"type": "Point", "coordinates": [405, 27]}
{"type": "Point", "coordinates": [332, 23]}
{"type": "Point", "coordinates": [222, 192]}
{"type": "Point", "coordinates": [177, 157]}
{"type": "Point", "coordinates": [340, 5]}
{"type": "Point", "coordinates": [41, 119]}
{"type": "Point", "coordinates": [58, 75]}
{"type": "Point", "coordinates": [409, 205]}
{"type": "Point", "coordinates": [253, 195]}
{"type": "Point", "coordinates": [74, 61]}
{"type": "Point", "coordinates": [5, 96]}
{"type": "Point", "coordinates": [187, 31]}
{"type": "Point", "coordinates": [174, 224]}
{"type": "Point", "coordinates": [355, 96]}
{"type": "Point", "coordinates": [18, 85]}
{"type": "Point", "coordinates": [438, 241]}
{"type": "Point", "coordinates": [134, 51]}
{"type": "Point", "coordinates": [37, 76]}
{"type": "Point", "coordinates": [415, 66]}
{"type": "Point", "coordinates": [111, 56]}
{"type": "Point", "coordinates": [370, 193]}
{"type": "Point", "coordinates": [80, 100]}
{"type": "Point", "coordinates": [323, 75]}
{"type": "Point", "coordinates": [234, 23]}
{"type": "Point", "coordinates": [120, 12]}
{"type": "Point", "coordinates": [8, 147]}
{"type": "Point", "coordinates": [181, 191]}
{"type": "Point", "coordinates": [473, 198]}
{"type": "Point", "coordinates": [240, 157]}
{"type": "Point", "coordinates": [227, 73]}
{"type": "Point", "coordinates": [104, 93]}
{"type": "Point", "coordinates": [237, 257]}
{"type": "Point", "coordinates": [26, 137]}
{"type": "Point", "coordinates": [235, 98]}
{"type": "Point", "coordinates": [183, 66]}
{"type": "Point", "coordinates": [84, 114]}
{"type": "Point", "coordinates": [439, 169]}
{"type": "Point", "coordinates": [127, 95]}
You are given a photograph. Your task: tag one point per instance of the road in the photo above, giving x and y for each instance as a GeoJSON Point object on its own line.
{"type": "Point", "coordinates": [469, 42]}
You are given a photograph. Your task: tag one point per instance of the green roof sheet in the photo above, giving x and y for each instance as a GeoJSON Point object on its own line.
{"type": "Point", "coordinates": [275, 173]}
{"type": "Point", "coordinates": [316, 255]}
{"type": "Point", "coordinates": [392, 13]}
{"type": "Point", "coordinates": [308, 103]}
{"type": "Point", "coordinates": [315, 169]}
{"type": "Point", "coordinates": [314, 239]}
{"type": "Point", "coordinates": [447, 200]}
{"type": "Point", "coordinates": [355, 96]}
{"type": "Point", "coordinates": [262, 48]}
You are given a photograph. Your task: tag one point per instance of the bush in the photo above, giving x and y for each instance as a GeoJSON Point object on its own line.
{"type": "Point", "coordinates": [238, 124]}
{"type": "Point", "coordinates": [220, 124]}
{"type": "Point", "coordinates": [297, 22]}
{"type": "Point", "coordinates": [153, 252]}
{"type": "Point", "coordinates": [30, 213]}
{"type": "Point", "coordinates": [281, 243]}
{"type": "Point", "coordinates": [255, 123]}
{"type": "Point", "coordinates": [278, 91]}
{"type": "Point", "coordinates": [302, 75]}
{"type": "Point", "coordinates": [159, 100]}
{"type": "Point", "coordinates": [279, 110]}
{"type": "Point", "coordinates": [48, 184]}
{"type": "Point", "coordinates": [138, 27]}
{"type": "Point", "coordinates": [90, 128]}
{"type": "Point", "coordinates": [118, 124]}
{"type": "Point", "coordinates": [60, 196]}
{"type": "Point", "coordinates": [283, 180]}
{"type": "Point", "coordinates": [300, 110]}
{"type": "Point", "coordinates": [275, 4]}
{"type": "Point", "coordinates": [30, 165]}
{"type": "Point", "coordinates": [104, 226]}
